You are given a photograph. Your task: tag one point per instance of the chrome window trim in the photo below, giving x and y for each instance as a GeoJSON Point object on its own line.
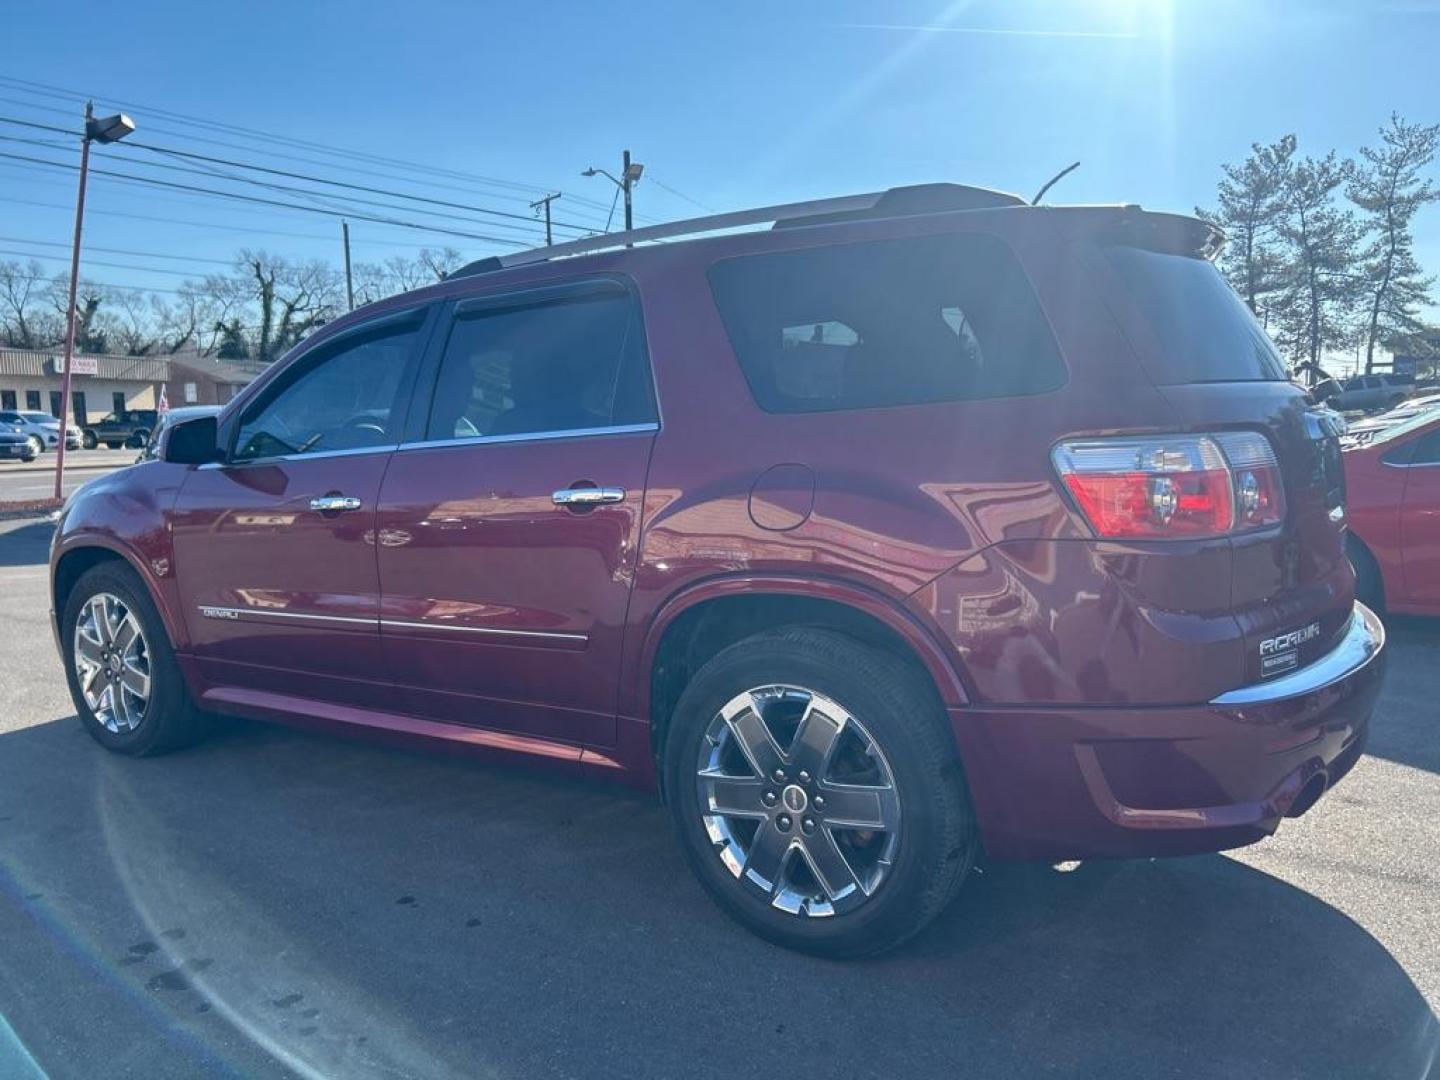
{"type": "Point", "coordinates": [406, 624]}
{"type": "Point", "coordinates": [1363, 641]}
{"type": "Point", "coordinates": [531, 436]}
{"type": "Point", "coordinates": [212, 611]}
{"type": "Point", "coordinates": [357, 451]}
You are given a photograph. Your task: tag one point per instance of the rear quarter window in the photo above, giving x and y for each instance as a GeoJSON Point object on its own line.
{"type": "Point", "coordinates": [893, 322]}
{"type": "Point", "coordinates": [1203, 330]}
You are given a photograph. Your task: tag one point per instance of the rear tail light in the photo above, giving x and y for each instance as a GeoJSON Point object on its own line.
{"type": "Point", "coordinates": [1164, 487]}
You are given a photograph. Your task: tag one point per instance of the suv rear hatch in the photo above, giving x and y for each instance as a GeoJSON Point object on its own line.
{"type": "Point", "coordinates": [1292, 588]}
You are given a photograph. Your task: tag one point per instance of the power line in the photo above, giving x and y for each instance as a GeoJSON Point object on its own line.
{"type": "Point", "coordinates": [679, 194]}
{"type": "Point", "coordinates": [117, 251]}
{"type": "Point", "coordinates": [195, 224]}
{"type": "Point", "coordinates": [61, 93]}
{"type": "Point", "coordinates": [585, 210]}
{"type": "Point", "coordinates": [530, 225]}
{"type": "Point", "coordinates": [97, 262]}
{"type": "Point", "coordinates": [266, 202]}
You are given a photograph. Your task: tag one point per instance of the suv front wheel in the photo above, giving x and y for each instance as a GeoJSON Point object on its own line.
{"type": "Point", "coordinates": [121, 669]}
{"type": "Point", "coordinates": [816, 792]}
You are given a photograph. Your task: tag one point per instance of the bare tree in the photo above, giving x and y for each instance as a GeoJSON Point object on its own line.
{"type": "Point", "coordinates": [26, 320]}
{"type": "Point", "coordinates": [1388, 189]}
{"type": "Point", "coordinates": [290, 300]}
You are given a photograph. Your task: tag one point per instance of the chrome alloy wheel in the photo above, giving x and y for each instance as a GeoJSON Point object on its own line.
{"type": "Point", "coordinates": [112, 663]}
{"type": "Point", "coordinates": [798, 800]}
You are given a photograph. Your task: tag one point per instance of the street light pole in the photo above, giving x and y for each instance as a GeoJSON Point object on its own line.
{"type": "Point", "coordinates": [65, 409]}
{"type": "Point", "coordinates": [108, 130]}
{"type": "Point", "coordinates": [629, 174]}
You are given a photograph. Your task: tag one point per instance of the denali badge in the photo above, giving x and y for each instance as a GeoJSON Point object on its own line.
{"type": "Point", "coordinates": [1281, 653]}
{"type": "Point", "coordinates": [219, 613]}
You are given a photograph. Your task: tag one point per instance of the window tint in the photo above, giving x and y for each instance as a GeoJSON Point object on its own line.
{"type": "Point", "coordinates": [562, 365]}
{"type": "Point", "coordinates": [1427, 450]}
{"type": "Point", "coordinates": [342, 399]}
{"type": "Point", "coordinates": [1204, 330]}
{"type": "Point", "coordinates": [897, 322]}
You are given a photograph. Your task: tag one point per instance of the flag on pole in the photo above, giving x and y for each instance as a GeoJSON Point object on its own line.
{"type": "Point", "coordinates": [164, 406]}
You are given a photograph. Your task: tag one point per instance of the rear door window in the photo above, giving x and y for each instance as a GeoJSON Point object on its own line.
{"type": "Point", "coordinates": [1203, 330]}
{"type": "Point", "coordinates": [528, 369]}
{"type": "Point", "coordinates": [894, 322]}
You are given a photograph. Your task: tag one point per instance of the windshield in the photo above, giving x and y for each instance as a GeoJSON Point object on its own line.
{"type": "Point", "coordinates": [1405, 427]}
{"type": "Point", "coordinates": [1203, 330]}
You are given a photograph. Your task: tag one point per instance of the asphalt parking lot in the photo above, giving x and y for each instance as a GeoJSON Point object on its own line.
{"type": "Point", "coordinates": [275, 903]}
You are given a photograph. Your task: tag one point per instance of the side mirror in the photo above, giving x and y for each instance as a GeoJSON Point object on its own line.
{"type": "Point", "coordinates": [192, 442]}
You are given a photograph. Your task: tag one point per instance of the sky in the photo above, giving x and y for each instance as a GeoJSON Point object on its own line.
{"type": "Point", "coordinates": [727, 105]}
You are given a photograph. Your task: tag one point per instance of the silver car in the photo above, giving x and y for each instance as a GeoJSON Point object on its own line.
{"type": "Point", "coordinates": [42, 429]}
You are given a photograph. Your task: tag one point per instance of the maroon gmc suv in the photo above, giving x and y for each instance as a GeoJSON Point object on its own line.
{"type": "Point", "coordinates": [921, 525]}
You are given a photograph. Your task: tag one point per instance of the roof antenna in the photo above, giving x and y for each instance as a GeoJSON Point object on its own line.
{"type": "Point", "coordinates": [1052, 182]}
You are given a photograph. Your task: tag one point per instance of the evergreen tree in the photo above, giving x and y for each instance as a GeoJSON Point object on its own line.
{"type": "Point", "coordinates": [1388, 189]}
{"type": "Point", "coordinates": [1251, 204]}
{"type": "Point", "coordinates": [1317, 305]}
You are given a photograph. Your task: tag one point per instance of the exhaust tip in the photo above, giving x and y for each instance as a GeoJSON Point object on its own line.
{"type": "Point", "coordinates": [1308, 796]}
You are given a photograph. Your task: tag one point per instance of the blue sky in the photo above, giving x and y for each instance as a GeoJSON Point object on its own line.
{"type": "Point", "coordinates": [729, 104]}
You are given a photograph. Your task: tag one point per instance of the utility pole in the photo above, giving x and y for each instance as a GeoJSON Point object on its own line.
{"type": "Point", "coordinates": [627, 183]}
{"type": "Point", "coordinates": [349, 281]}
{"type": "Point", "coordinates": [545, 202]}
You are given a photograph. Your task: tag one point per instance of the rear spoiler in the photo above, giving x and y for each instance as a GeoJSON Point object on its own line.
{"type": "Point", "coordinates": [1171, 234]}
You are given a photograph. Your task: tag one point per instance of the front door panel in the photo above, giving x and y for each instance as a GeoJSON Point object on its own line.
{"type": "Point", "coordinates": [279, 596]}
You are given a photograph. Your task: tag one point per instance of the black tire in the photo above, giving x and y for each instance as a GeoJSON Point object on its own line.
{"type": "Point", "coordinates": [1369, 585]}
{"type": "Point", "coordinates": [170, 719]}
{"type": "Point", "coordinates": [88, 440]}
{"type": "Point", "coordinates": [900, 711]}
{"type": "Point", "coordinates": [138, 440]}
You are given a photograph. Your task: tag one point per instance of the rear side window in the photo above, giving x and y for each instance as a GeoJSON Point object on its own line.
{"type": "Point", "coordinates": [541, 368]}
{"type": "Point", "coordinates": [1204, 331]}
{"type": "Point", "coordinates": [895, 322]}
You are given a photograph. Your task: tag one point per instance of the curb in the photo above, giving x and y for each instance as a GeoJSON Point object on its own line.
{"type": "Point", "coordinates": [34, 468]}
{"type": "Point", "coordinates": [35, 508]}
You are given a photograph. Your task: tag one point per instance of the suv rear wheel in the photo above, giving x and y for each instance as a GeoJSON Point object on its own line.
{"type": "Point", "coordinates": [121, 668]}
{"type": "Point", "coordinates": [88, 440]}
{"type": "Point", "coordinates": [816, 792]}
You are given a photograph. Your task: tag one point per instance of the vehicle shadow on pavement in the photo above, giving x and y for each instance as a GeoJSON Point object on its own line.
{"type": "Point", "coordinates": [28, 545]}
{"type": "Point", "coordinates": [1406, 727]}
{"type": "Point", "coordinates": [276, 902]}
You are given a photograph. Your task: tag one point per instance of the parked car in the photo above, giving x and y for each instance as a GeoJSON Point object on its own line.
{"type": "Point", "coordinates": [922, 524]}
{"type": "Point", "coordinates": [129, 427]}
{"type": "Point", "coordinates": [15, 445]}
{"type": "Point", "coordinates": [155, 445]}
{"type": "Point", "coordinates": [1394, 537]}
{"type": "Point", "coordinates": [1371, 392]}
{"type": "Point", "coordinates": [1362, 432]}
{"type": "Point", "coordinates": [44, 427]}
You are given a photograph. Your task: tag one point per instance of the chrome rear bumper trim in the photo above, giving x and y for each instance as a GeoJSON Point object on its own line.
{"type": "Point", "coordinates": [1363, 641]}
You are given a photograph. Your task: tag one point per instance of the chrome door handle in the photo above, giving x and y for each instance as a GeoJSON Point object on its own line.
{"type": "Point", "coordinates": [329, 504]}
{"type": "Point", "coordinates": [588, 496]}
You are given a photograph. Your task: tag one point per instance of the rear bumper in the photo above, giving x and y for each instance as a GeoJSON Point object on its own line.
{"type": "Point", "coordinates": [1079, 782]}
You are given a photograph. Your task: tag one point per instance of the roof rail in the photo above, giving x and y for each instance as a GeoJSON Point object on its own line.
{"type": "Point", "coordinates": [894, 202]}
